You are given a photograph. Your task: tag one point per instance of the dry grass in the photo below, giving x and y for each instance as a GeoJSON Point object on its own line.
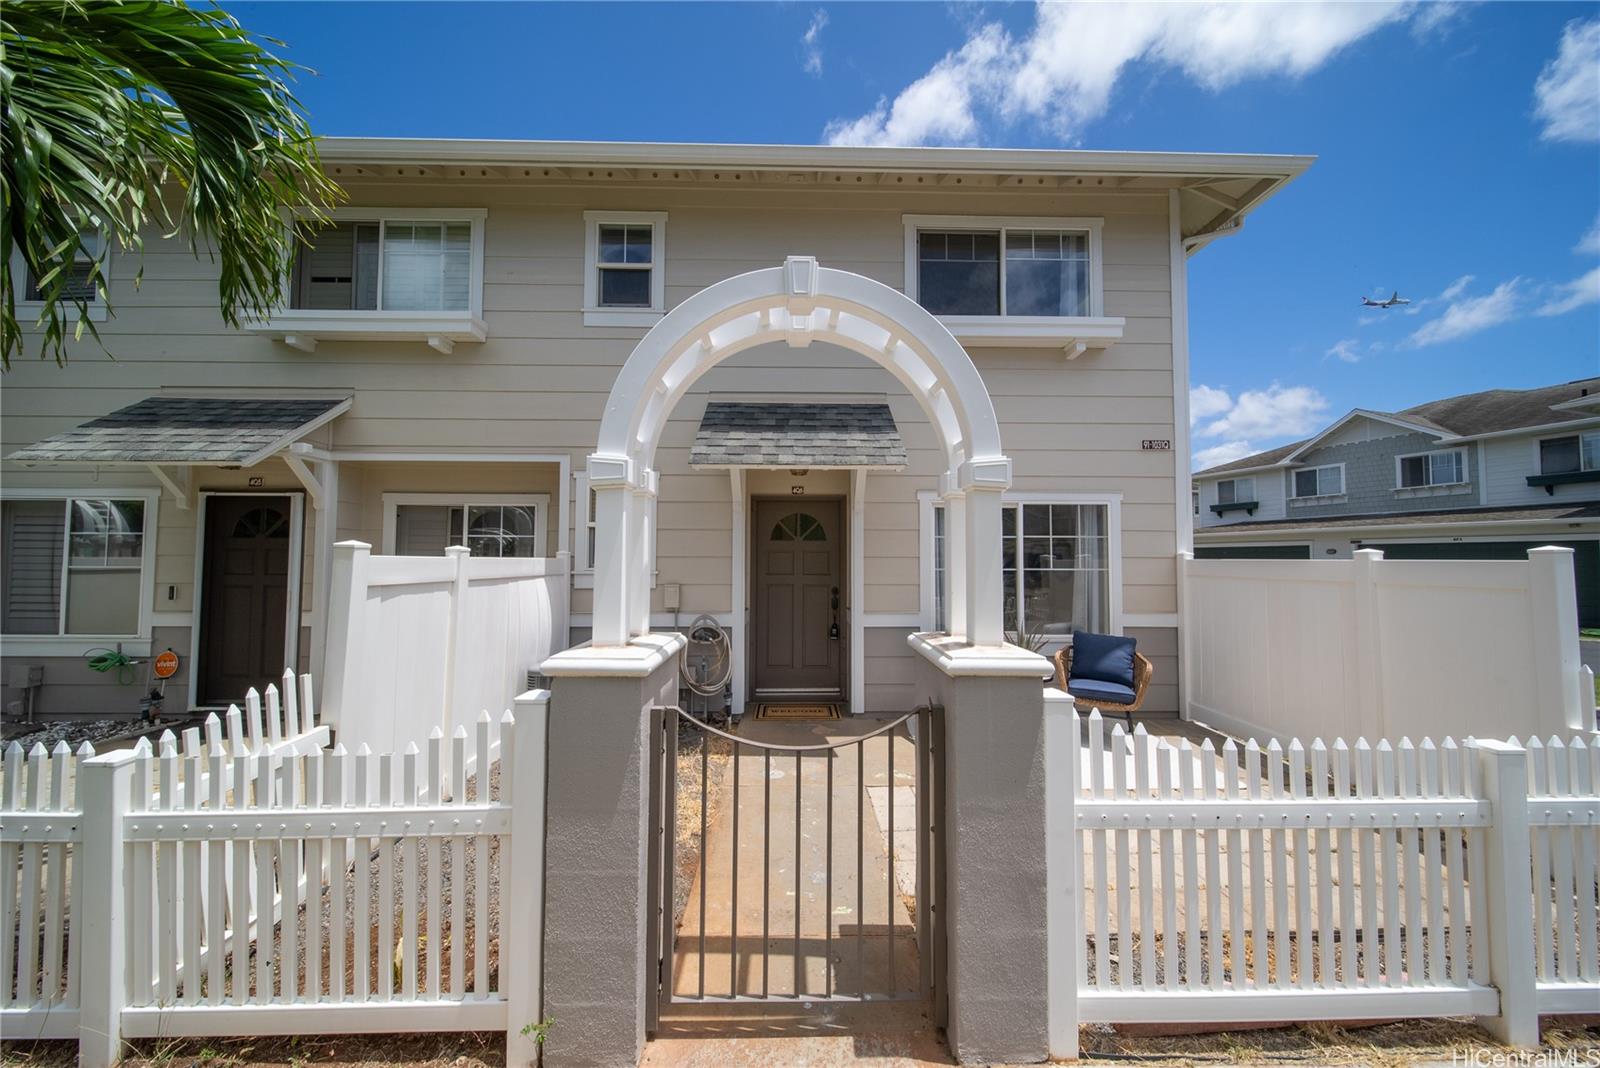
{"type": "Point", "coordinates": [1385, 1045]}
{"type": "Point", "coordinates": [466, 1050]}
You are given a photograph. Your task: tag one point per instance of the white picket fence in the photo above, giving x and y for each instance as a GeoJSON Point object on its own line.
{"type": "Point", "coordinates": [280, 888]}
{"type": "Point", "coordinates": [1242, 884]}
{"type": "Point", "coordinates": [416, 642]}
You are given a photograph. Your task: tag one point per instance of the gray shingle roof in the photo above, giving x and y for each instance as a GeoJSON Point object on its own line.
{"type": "Point", "coordinates": [797, 435]}
{"type": "Point", "coordinates": [1463, 416]}
{"type": "Point", "coordinates": [183, 430]}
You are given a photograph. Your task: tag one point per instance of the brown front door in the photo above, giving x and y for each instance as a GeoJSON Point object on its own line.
{"type": "Point", "coordinates": [797, 627]}
{"type": "Point", "coordinates": [246, 596]}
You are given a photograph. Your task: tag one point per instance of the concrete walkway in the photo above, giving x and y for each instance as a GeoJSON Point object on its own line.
{"type": "Point", "coordinates": [814, 914]}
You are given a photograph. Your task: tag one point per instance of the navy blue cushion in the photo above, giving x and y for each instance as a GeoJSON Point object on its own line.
{"type": "Point", "coordinates": [1102, 658]}
{"type": "Point", "coordinates": [1109, 693]}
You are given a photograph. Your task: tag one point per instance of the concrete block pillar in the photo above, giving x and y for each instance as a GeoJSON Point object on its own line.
{"type": "Point", "coordinates": [597, 899]}
{"type": "Point", "coordinates": [995, 889]}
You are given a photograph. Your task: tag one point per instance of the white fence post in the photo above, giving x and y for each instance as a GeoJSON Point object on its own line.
{"type": "Point", "coordinates": [1063, 885]}
{"type": "Point", "coordinates": [1185, 644]}
{"type": "Point", "coordinates": [522, 779]}
{"type": "Point", "coordinates": [104, 790]}
{"type": "Point", "coordinates": [455, 637]}
{"type": "Point", "coordinates": [347, 595]}
{"type": "Point", "coordinates": [1368, 662]}
{"type": "Point", "coordinates": [1507, 842]}
{"type": "Point", "coordinates": [1553, 593]}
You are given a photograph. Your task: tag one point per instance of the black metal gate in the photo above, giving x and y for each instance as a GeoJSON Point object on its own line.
{"type": "Point", "coordinates": [780, 870]}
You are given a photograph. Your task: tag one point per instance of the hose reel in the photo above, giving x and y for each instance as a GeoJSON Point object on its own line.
{"type": "Point", "coordinates": [707, 662]}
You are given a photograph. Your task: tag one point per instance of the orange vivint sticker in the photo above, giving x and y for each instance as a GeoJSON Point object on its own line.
{"type": "Point", "coordinates": [166, 665]}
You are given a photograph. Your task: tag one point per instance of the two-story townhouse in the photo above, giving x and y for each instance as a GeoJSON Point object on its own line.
{"type": "Point", "coordinates": [1481, 476]}
{"type": "Point", "coordinates": [441, 367]}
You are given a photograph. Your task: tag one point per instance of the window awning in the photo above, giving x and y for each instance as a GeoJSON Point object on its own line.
{"type": "Point", "coordinates": [797, 435]}
{"type": "Point", "coordinates": [230, 431]}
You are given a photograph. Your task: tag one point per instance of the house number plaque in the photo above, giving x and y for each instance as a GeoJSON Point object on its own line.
{"type": "Point", "coordinates": [798, 491]}
{"type": "Point", "coordinates": [1156, 445]}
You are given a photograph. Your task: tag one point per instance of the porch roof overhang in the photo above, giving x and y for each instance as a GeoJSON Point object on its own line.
{"type": "Point", "coordinates": [187, 431]}
{"type": "Point", "coordinates": [785, 435]}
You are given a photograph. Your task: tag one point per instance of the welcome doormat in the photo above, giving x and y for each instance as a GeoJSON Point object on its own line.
{"type": "Point", "coordinates": [769, 710]}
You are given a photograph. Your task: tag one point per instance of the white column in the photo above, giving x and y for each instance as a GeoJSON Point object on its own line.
{"type": "Point", "coordinates": [326, 533]}
{"type": "Point", "coordinates": [103, 786]}
{"type": "Point", "coordinates": [955, 563]}
{"type": "Point", "coordinates": [1507, 841]}
{"type": "Point", "coordinates": [985, 622]}
{"type": "Point", "coordinates": [523, 764]}
{"type": "Point", "coordinates": [613, 569]}
{"type": "Point", "coordinates": [641, 535]}
{"type": "Point", "coordinates": [739, 612]}
{"type": "Point", "coordinates": [858, 590]}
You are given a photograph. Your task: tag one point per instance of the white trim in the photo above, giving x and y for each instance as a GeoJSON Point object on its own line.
{"type": "Point", "coordinates": [891, 621]}
{"type": "Point", "coordinates": [1380, 417]}
{"type": "Point", "coordinates": [1459, 451]}
{"type": "Point", "coordinates": [662, 620]}
{"type": "Point", "coordinates": [1134, 620]}
{"type": "Point", "coordinates": [393, 501]}
{"type": "Point", "coordinates": [1187, 506]}
{"type": "Point", "coordinates": [291, 614]}
{"type": "Point", "coordinates": [583, 519]}
{"type": "Point", "coordinates": [597, 314]}
{"type": "Point", "coordinates": [1294, 475]}
{"type": "Point", "coordinates": [1545, 429]}
{"type": "Point", "coordinates": [856, 685]}
{"type": "Point", "coordinates": [35, 644]}
{"type": "Point", "coordinates": [1092, 227]}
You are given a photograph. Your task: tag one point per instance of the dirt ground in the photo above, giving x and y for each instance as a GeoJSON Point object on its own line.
{"type": "Point", "coordinates": [469, 1050]}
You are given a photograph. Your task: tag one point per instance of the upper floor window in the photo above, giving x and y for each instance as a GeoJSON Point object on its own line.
{"type": "Point", "coordinates": [83, 282]}
{"type": "Point", "coordinates": [397, 264]}
{"type": "Point", "coordinates": [1432, 469]}
{"type": "Point", "coordinates": [624, 282]}
{"type": "Point", "coordinates": [1044, 268]}
{"type": "Point", "coordinates": [1236, 491]}
{"type": "Point", "coordinates": [1570, 454]}
{"type": "Point", "coordinates": [1324, 481]}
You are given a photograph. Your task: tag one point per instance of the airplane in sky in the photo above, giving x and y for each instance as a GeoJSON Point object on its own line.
{"type": "Point", "coordinates": [1368, 302]}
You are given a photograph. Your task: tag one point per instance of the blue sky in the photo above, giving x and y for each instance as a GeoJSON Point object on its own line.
{"type": "Point", "coordinates": [1459, 148]}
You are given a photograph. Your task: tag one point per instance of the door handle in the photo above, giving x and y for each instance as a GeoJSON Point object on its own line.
{"type": "Point", "coordinates": [833, 628]}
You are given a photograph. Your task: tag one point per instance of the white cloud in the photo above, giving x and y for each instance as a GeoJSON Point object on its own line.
{"type": "Point", "coordinates": [811, 43]}
{"type": "Point", "coordinates": [1570, 296]}
{"type": "Point", "coordinates": [1589, 243]}
{"type": "Point", "coordinates": [1567, 93]}
{"type": "Point", "coordinates": [1063, 71]}
{"type": "Point", "coordinates": [1274, 412]}
{"type": "Point", "coordinates": [1348, 350]}
{"type": "Point", "coordinates": [1465, 315]}
{"type": "Point", "coordinates": [1207, 401]}
{"type": "Point", "coordinates": [1458, 287]}
{"type": "Point", "coordinates": [1227, 452]}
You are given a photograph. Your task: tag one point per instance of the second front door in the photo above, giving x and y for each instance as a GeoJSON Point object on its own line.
{"type": "Point", "coordinates": [797, 627]}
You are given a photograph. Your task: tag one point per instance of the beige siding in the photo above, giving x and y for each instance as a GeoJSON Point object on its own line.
{"type": "Point", "coordinates": [539, 383]}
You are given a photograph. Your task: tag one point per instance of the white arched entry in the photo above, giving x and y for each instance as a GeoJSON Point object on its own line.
{"type": "Point", "coordinates": [799, 302]}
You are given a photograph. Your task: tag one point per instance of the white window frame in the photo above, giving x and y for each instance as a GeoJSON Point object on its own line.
{"type": "Point", "coordinates": [61, 643]}
{"type": "Point", "coordinates": [1093, 227]}
{"type": "Point", "coordinates": [29, 310]}
{"type": "Point", "coordinates": [1464, 480]}
{"type": "Point", "coordinates": [596, 314]}
{"type": "Point", "coordinates": [473, 217]}
{"type": "Point", "coordinates": [1538, 450]}
{"type": "Point", "coordinates": [928, 500]}
{"type": "Point", "coordinates": [540, 502]}
{"type": "Point", "coordinates": [583, 529]}
{"type": "Point", "coordinates": [1294, 475]}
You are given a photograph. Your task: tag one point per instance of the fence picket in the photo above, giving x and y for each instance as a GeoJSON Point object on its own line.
{"type": "Point", "coordinates": [1389, 871]}
{"type": "Point", "coordinates": [266, 889]}
{"type": "Point", "coordinates": [315, 850]}
{"type": "Point", "coordinates": [191, 913]}
{"type": "Point", "coordinates": [1584, 783]}
{"type": "Point", "coordinates": [1145, 844]}
{"type": "Point", "coordinates": [1097, 837]}
{"type": "Point", "coordinates": [1432, 888]}
{"type": "Point", "coordinates": [1123, 862]}
{"type": "Point", "coordinates": [338, 795]}
{"type": "Point", "coordinates": [1410, 787]}
{"type": "Point", "coordinates": [362, 934]}
{"type": "Point", "coordinates": [388, 789]}
{"type": "Point", "coordinates": [55, 882]}
{"type": "Point", "coordinates": [1345, 957]}
{"type": "Point", "coordinates": [458, 864]}
{"type": "Point", "coordinates": [10, 858]}
{"type": "Point", "coordinates": [1187, 759]}
{"type": "Point", "coordinates": [1455, 942]}
{"type": "Point", "coordinates": [1366, 781]}
{"type": "Point", "coordinates": [409, 787]}
{"type": "Point", "coordinates": [1301, 844]}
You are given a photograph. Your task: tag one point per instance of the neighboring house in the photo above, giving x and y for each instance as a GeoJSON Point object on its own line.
{"type": "Point", "coordinates": [1482, 476]}
{"type": "Point", "coordinates": [439, 373]}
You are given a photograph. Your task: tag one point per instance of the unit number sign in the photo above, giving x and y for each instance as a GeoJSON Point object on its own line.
{"type": "Point", "coordinates": [1155, 444]}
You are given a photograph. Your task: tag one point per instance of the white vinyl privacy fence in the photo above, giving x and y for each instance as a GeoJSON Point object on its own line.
{"type": "Point", "coordinates": [1384, 648]}
{"type": "Point", "coordinates": [1241, 884]}
{"type": "Point", "coordinates": [231, 888]}
{"type": "Point", "coordinates": [417, 642]}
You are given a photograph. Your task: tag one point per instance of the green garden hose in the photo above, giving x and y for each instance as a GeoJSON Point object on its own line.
{"type": "Point", "coordinates": [104, 660]}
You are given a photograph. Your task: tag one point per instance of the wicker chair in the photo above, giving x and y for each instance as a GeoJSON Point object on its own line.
{"type": "Point", "coordinates": [1142, 671]}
